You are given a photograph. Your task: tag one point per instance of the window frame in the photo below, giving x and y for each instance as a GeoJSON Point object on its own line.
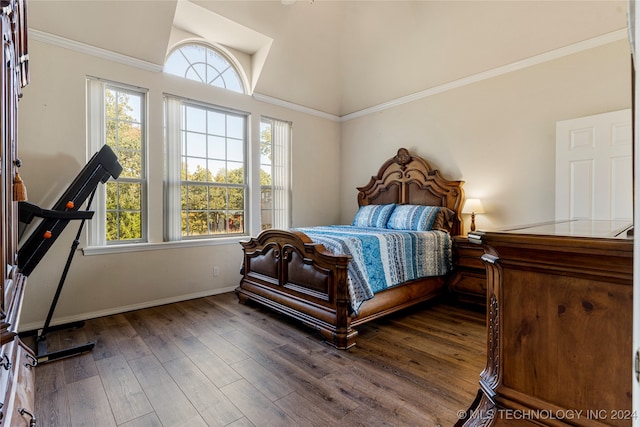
{"type": "Point", "coordinates": [230, 63]}
{"type": "Point", "coordinates": [173, 183]}
{"type": "Point", "coordinates": [167, 203]}
{"type": "Point", "coordinates": [96, 138]}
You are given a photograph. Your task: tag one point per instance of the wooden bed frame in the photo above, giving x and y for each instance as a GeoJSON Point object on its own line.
{"type": "Point", "coordinates": [287, 272]}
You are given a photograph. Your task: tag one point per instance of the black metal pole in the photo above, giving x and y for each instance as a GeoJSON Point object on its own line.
{"type": "Point", "coordinates": [74, 246]}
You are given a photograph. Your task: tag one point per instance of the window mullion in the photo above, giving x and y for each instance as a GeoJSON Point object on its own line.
{"type": "Point", "coordinates": [173, 181]}
{"type": "Point", "coordinates": [96, 230]}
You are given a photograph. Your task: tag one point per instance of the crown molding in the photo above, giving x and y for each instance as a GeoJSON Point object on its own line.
{"type": "Point", "coordinates": [295, 107]}
{"type": "Point", "coordinates": [65, 43]}
{"type": "Point", "coordinates": [594, 42]}
{"type": "Point", "coordinates": [62, 42]}
{"type": "Point", "coordinates": [604, 39]}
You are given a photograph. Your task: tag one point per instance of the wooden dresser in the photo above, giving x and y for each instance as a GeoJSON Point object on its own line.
{"type": "Point", "coordinates": [16, 360]}
{"type": "Point", "coordinates": [559, 326]}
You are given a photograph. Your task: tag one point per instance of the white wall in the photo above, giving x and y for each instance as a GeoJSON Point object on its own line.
{"type": "Point", "coordinates": [52, 135]}
{"type": "Point", "coordinates": [498, 135]}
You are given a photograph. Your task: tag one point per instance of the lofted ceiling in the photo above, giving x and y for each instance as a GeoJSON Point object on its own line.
{"type": "Point", "coordinates": [340, 57]}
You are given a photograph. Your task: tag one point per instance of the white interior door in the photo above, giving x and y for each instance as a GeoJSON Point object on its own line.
{"type": "Point", "coordinates": [594, 167]}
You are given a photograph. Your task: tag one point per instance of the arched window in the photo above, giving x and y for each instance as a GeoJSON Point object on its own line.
{"type": "Point", "coordinates": [206, 65]}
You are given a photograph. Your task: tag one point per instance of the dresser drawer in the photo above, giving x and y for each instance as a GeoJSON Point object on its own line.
{"type": "Point", "coordinates": [470, 283]}
{"type": "Point", "coordinates": [470, 261]}
{"type": "Point", "coordinates": [467, 254]}
{"type": "Point", "coordinates": [18, 408]}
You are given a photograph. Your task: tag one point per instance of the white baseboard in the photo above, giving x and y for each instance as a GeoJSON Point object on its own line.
{"type": "Point", "coordinates": [123, 309]}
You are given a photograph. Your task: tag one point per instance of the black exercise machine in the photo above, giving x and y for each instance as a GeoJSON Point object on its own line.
{"type": "Point", "coordinates": [100, 168]}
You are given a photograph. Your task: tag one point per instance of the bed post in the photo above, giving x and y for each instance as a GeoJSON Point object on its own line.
{"type": "Point", "coordinates": [344, 336]}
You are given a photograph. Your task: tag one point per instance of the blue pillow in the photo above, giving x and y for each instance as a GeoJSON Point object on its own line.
{"type": "Point", "coordinates": [373, 215]}
{"type": "Point", "coordinates": [413, 217]}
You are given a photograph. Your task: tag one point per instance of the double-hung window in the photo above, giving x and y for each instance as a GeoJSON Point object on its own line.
{"type": "Point", "coordinates": [210, 182]}
{"type": "Point", "coordinates": [275, 177]}
{"type": "Point", "coordinates": [117, 118]}
{"type": "Point", "coordinates": [206, 182]}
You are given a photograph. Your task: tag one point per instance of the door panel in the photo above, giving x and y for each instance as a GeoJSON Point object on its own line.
{"type": "Point", "coordinates": [594, 167]}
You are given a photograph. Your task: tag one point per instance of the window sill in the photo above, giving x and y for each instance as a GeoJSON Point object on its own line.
{"type": "Point", "coordinates": [142, 247]}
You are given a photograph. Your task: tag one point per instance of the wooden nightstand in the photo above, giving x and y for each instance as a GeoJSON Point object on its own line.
{"type": "Point", "coordinates": [468, 282]}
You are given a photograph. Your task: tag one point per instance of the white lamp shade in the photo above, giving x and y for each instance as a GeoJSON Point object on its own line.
{"type": "Point", "coordinates": [473, 206]}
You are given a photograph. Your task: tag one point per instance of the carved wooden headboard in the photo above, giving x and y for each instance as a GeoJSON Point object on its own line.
{"type": "Point", "coordinates": [409, 180]}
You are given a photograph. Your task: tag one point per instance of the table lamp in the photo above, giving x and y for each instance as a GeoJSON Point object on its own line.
{"type": "Point", "coordinates": [473, 206]}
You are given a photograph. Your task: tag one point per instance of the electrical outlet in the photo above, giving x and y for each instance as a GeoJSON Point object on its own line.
{"type": "Point", "coordinates": [216, 271]}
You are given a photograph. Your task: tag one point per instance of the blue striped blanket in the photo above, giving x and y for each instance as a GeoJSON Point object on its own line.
{"type": "Point", "coordinates": [382, 258]}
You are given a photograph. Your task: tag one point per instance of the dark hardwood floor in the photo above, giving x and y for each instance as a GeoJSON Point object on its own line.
{"type": "Point", "coordinates": [215, 362]}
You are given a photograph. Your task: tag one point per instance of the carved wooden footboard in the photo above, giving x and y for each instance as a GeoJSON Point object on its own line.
{"type": "Point", "coordinates": [287, 272]}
